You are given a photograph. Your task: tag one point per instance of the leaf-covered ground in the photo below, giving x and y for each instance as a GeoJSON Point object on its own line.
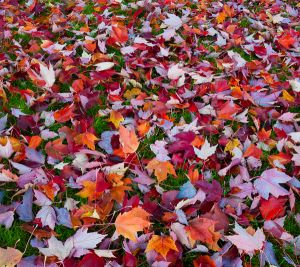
{"type": "Point", "coordinates": [149, 133]}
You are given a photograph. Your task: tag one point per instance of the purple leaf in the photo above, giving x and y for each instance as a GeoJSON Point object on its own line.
{"type": "Point", "coordinates": [24, 210]}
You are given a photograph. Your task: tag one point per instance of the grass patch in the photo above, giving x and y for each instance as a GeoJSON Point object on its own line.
{"type": "Point", "coordinates": [101, 124]}
{"type": "Point", "coordinates": [16, 237]}
{"type": "Point", "coordinates": [174, 183]}
{"type": "Point", "coordinates": [144, 150]}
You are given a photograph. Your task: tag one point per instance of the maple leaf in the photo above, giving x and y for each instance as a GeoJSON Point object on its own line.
{"type": "Point", "coordinates": [46, 78]}
{"type": "Point", "coordinates": [64, 114]}
{"type": "Point", "coordinates": [206, 150]}
{"type": "Point", "coordinates": [119, 33]}
{"type": "Point", "coordinates": [47, 74]}
{"type": "Point", "coordinates": [203, 229]}
{"type": "Point", "coordinates": [128, 140]}
{"type": "Point", "coordinates": [228, 110]}
{"type": "Point", "coordinates": [221, 17]}
{"type": "Point", "coordinates": [116, 117]}
{"type": "Point", "coordinates": [76, 245]}
{"type": "Point", "coordinates": [129, 223]}
{"type": "Point", "coordinates": [231, 145]}
{"type": "Point", "coordinates": [87, 139]}
{"type": "Point", "coordinates": [35, 141]}
{"type": "Point", "coordinates": [10, 257]}
{"type": "Point", "coordinates": [161, 244]}
{"type": "Point", "coordinates": [246, 242]}
{"type": "Point", "coordinates": [47, 216]}
{"type": "Point", "coordinates": [57, 248]}
{"type": "Point", "coordinates": [173, 21]}
{"type": "Point", "coordinates": [161, 169]}
{"type": "Point", "coordinates": [56, 149]}
{"type": "Point", "coordinates": [268, 183]}
{"type": "Point", "coordinates": [272, 208]}
{"type": "Point", "coordinates": [82, 241]}
{"type": "Point", "coordinates": [89, 191]}
{"type": "Point", "coordinates": [286, 40]}
{"type": "Point", "coordinates": [219, 217]}
{"type": "Point", "coordinates": [253, 151]}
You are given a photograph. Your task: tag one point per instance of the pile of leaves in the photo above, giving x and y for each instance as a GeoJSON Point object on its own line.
{"type": "Point", "coordinates": [149, 133]}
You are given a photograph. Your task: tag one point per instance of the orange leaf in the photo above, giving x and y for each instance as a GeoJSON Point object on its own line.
{"type": "Point", "coordinates": [161, 244]}
{"type": "Point", "coordinates": [221, 17]}
{"type": "Point", "coordinates": [286, 40]}
{"type": "Point", "coordinates": [161, 169]}
{"type": "Point", "coordinates": [128, 140]}
{"type": "Point", "coordinates": [87, 139]}
{"type": "Point", "coordinates": [89, 191]}
{"type": "Point", "coordinates": [118, 192]}
{"type": "Point", "coordinates": [203, 229]}
{"type": "Point", "coordinates": [119, 33]}
{"type": "Point", "coordinates": [205, 260]}
{"type": "Point", "coordinates": [64, 114]}
{"type": "Point", "coordinates": [129, 223]}
{"type": "Point", "coordinates": [10, 257]}
{"type": "Point", "coordinates": [49, 190]}
{"type": "Point", "coordinates": [116, 117]}
{"type": "Point", "coordinates": [35, 141]}
{"type": "Point", "coordinates": [253, 151]}
{"type": "Point", "coordinates": [143, 128]}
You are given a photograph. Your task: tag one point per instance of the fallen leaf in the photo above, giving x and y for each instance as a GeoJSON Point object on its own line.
{"type": "Point", "coordinates": [206, 150]}
{"type": "Point", "coordinates": [64, 114]}
{"type": "Point", "coordinates": [129, 223]}
{"type": "Point", "coordinates": [128, 140]}
{"type": "Point", "coordinates": [87, 139]}
{"type": "Point", "coordinates": [246, 242]}
{"type": "Point", "coordinates": [119, 33]}
{"type": "Point", "coordinates": [10, 257]}
{"type": "Point", "coordinates": [89, 191]}
{"type": "Point", "coordinates": [161, 244]}
{"type": "Point", "coordinates": [203, 229]}
{"type": "Point", "coordinates": [161, 169]}
{"type": "Point", "coordinates": [268, 183]}
{"type": "Point", "coordinates": [272, 208]}
{"type": "Point", "coordinates": [116, 118]}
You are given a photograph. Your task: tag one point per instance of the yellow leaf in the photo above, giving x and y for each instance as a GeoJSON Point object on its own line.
{"type": "Point", "coordinates": [232, 144]}
{"type": "Point", "coordinates": [116, 117]}
{"type": "Point", "coordinates": [132, 93]}
{"type": "Point", "coordinates": [87, 139]}
{"type": "Point", "coordinates": [161, 244]}
{"type": "Point", "coordinates": [131, 222]}
{"type": "Point", "coordinates": [161, 169]}
{"type": "Point", "coordinates": [221, 17]}
{"type": "Point", "coordinates": [128, 140]}
{"type": "Point", "coordinates": [287, 96]}
{"type": "Point", "coordinates": [10, 257]}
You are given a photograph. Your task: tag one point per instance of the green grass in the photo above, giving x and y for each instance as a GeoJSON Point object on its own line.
{"type": "Point", "coordinates": [174, 183]}
{"type": "Point", "coordinates": [63, 232]}
{"type": "Point", "coordinates": [185, 114]}
{"type": "Point", "coordinates": [16, 237]}
{"type": "Point", "coordinates": [17, 101]}
{"type": "Point", "coordinates": [101, 124]}
{"type": "Point", "coordinates": [144, 150]}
